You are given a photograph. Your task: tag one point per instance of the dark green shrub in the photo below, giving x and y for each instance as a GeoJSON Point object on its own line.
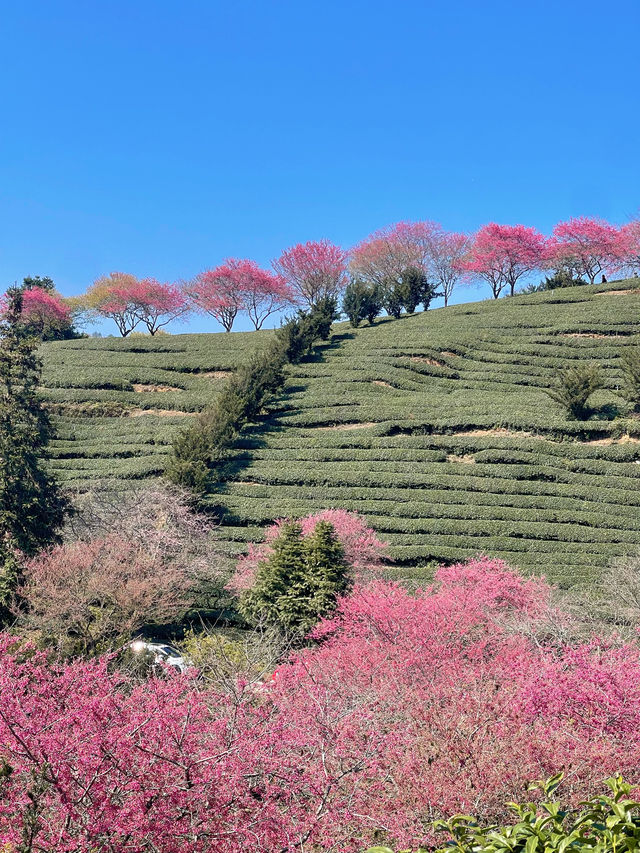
{"type": "Point", "coordinates": [415, 289]}
{"type": "Point", "coordinates": [201, 445]}
{"type": "Point", "coordinates": [299, 582]}
{"type": "Point", "coordinates": [412, 287]}
{"type": "Point", "coordinates": [361, 302]}
{"type": "Point", "coordinates": [10, 577]}
{"type": "Point", "coordinates": [374, 303]}
{"type": "Point", "coordinates": [411, 290]}
{"type": "Point", "coordinates": [354, 302]}
{"type": "Point", "coordinates": [574, 386]}
{"type": "Point", "coordinates": [393, 298]}
{"type": "Point", "coordinates": [561, 278]}
{"type": "Point", "coordinates": [630, 363]}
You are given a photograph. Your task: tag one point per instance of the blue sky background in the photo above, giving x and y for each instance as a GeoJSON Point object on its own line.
{"type": "Point", "coordinates": [159, 137]}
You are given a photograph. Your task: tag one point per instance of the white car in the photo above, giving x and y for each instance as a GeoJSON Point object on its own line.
{"type": "Point", "coordinates": [162, 654]}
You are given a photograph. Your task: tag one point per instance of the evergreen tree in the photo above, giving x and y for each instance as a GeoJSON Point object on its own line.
{"type": "Point", "coordinates": [31, 281]}
{"type": "Point", "coordinates": [31, 506]}
{"type": "Point", "coordinates": [278, 582]}
{"type": "Point", "coordinates": [413, 285]}
{"type": "Point", "coordinates": [354, 302]}
{"type": "Point", "coordinates": [361, 302]}
{"type": "Point", "coordinates": [327, 569]}
{"type": "Point", "coordinates": [393, 298]}
{"type": "Point", "coordinates": [9, 580]}
{"type": "Point", "coordinates": [415, 289]}
{"type": "Point", "coordinates": [374, 303]}
{"type": "Point", "coordinates": [300, 581]}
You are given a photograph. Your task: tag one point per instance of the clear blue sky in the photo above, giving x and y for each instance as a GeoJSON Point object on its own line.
{"type": "Point", "coordinates": [158, 137]}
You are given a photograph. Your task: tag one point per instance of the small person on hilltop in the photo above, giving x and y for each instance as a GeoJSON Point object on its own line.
{"type": "Point", "coordinates": [604, 278]}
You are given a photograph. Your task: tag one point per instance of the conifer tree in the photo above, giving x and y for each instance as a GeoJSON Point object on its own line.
{"type": "Point", "coordinates": [300, 581]}
{"type": "Point", "coordinates": [327, 569]}
{"type": "Point", "coordinates": [31, 506]}
{"type": "Point", "coordinates": [10, 576]}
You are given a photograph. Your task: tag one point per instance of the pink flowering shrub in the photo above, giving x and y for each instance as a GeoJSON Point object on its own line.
{"type": "Point", "coordinates": [409, 707]}
{"type": "Point", "coordinates": [363, 550]}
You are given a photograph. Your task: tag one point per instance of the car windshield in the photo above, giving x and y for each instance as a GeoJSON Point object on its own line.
{"type": "Point", "coordinates": [167, 650]}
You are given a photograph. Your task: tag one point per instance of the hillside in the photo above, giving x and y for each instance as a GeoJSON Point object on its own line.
{"type": "Point", "coordinates": [434, 426]}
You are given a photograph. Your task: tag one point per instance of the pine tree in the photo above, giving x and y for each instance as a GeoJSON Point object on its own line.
{"type": "Point", "coordinates": [279, 580]}
{"type": "Point", "coordinates": [328, 572]}
{"type": "Point", "coordinates": [413, 285]}
{"type": "Point", "coordinates": [10, 576]}
{"type": "Point", "coordinates": [31, 506]}
{"type": "Point", "coordinates": [300, 581]}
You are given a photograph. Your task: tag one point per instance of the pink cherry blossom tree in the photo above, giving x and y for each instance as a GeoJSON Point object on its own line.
{"type": "Point", "coordinates": [218, 292]}
{"type": "Point", "coordinates": [111, 296]}
{"type": "Point", "coordinates": [263, 293]}
{"type": "Point", "coordinates": [408, 706]}
{"type": "Point", "coordinates": [388, 253]}
{"type": "Point", "coordinates": [448, 252]}
{"type": "Point", "coordinates": [45, 312]}
{"type": "Point", "coordinates": [158, 303]}
{"type": "Point", "coordinates": [313, 270]}
{"type": "Point", "coordinates": [586, 246]}
{"type": "Point", "coordinates": [503, 254]}
{"type": "Point", "coordinates": [630, 247]}
{"type": "Point", "coordinates": [100, 590]}
{"type": "Point", "coordinates": [240, 285]}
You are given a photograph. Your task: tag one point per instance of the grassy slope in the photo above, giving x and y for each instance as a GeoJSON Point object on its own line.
{"type": "Point", "coordinates": [435, 427]}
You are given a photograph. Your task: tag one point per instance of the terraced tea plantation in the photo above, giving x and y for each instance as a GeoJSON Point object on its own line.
{"type": "Point", "coordinates": [436, 427]}
{"type": "Point", "coordinates": [117, 403]}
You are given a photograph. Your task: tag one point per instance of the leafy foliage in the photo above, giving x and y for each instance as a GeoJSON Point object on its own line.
{"type": "Point", "coordinates": [562, 277]}
{"type": "Point", "coordinates": [361, 301]}
{"type": "Point", "coordinates": [574, 387]}
{"type": "Point", "coordinates": [603, 823]}
{"type": "Point", "coordinates": [393, 296]}
{"type": "Point", "coordinates": [10, 577]}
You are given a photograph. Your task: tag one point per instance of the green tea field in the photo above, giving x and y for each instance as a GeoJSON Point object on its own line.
{"type": "Point", "coordinates": [435, 427]}
{"type": "Point", "coordinates": [117, 402]}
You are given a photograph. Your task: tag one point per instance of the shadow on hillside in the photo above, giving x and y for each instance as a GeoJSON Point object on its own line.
{"type": "Point", "coordinates": [608, 412]}
{"type": "Point", "coordinates": [253, 437]}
